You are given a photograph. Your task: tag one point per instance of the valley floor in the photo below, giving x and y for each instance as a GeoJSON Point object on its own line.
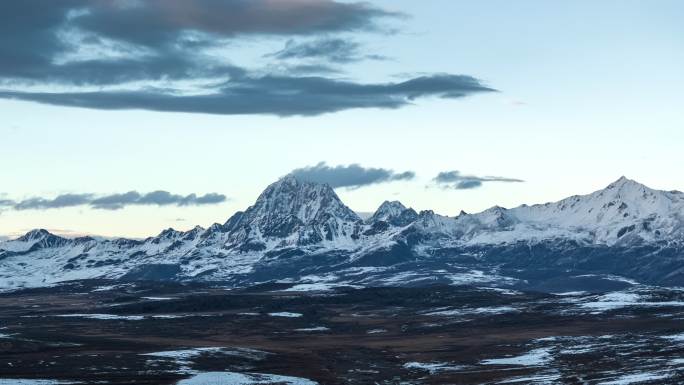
{"type": "Point", "coordinates": [154, 333]}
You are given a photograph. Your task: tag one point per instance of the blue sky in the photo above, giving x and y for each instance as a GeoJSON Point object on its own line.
{"type": "Point", "coordinates": [587, 91]}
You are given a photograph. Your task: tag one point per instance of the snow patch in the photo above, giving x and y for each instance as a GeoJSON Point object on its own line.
{"type": "Point", "coordinates": [433, 367]}
{"type": "Point", "coordinates": [536, 357]}
{"type": "Point", "coordinates": [286, 314]}
{"type": "Point", "coordinates": [232, 378]}
{"type": "Point", "coordinates": [105, 316]}
{"type": "Point", "coordinates": [637, 378]}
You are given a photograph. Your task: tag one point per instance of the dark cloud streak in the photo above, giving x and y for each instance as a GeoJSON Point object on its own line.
{"type": "Point", "coordinates": [276, 95]}
{"type": "Point", "coordinates": [114, 201]}
{"type": "Point", "coordinates": [454, 179]}
{"type": "Point", "coordinates": [336, 50]}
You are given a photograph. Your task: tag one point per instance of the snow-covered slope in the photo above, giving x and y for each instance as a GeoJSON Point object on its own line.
{"type": "Point", "coordinates": [293, 220]}
{"type": "Point", "coordinates": [625, 212]}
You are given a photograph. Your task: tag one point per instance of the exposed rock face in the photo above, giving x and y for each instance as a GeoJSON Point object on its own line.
{"type": "Point", "coordinates": [294, 212]}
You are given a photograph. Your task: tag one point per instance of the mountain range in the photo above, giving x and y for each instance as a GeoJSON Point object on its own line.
{"type": "Point", "coordinates": [300, 233]}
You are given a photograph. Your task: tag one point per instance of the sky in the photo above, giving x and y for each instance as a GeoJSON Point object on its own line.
{"type": "Point", "coordinates": [123, 118]}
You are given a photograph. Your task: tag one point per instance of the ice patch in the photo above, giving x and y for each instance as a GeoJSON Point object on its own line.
{"type": "Point", "coordinates": [231, 378]}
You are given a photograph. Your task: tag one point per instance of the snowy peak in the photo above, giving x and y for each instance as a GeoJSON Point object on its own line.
{"type": "Point", "coordinates": [307, 201]}
{"type": "Point", "coordinates": [34, 240]}
{"type": "Point", "coordinates": [34, 235]}
{"type": "Point", "coordinates": [394, 213]}
{"type": "Point", "coordinates": [293, 212]}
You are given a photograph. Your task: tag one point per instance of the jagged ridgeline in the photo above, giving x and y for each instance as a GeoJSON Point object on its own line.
{"type": "Point", "coordinates": [301, 232]}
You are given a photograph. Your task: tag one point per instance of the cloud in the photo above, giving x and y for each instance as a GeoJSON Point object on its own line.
{"type": "Point", "coordinates": [61, 201]}
{"type": "Point", "coordinates": [156, 22]}
{"type": "Point", "coordinates": [114, 201]}
{"type": "Point", "coordinates": [6, 203]}
{"type": "Point", "coordinates": [165, 55]}
{"type": "Point", "coordinates": [335, 50]}
{"type": "Point", "coordinates": [29, 29]}
{"type": "Point", "coordinates": [454, 179]}
{"type": "Point", "coordinates": [351, 176]}
{"type": "Point", "coordinates": [276, 95]}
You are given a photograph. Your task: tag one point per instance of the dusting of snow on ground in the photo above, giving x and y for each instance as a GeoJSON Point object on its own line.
{"type": "Point", "coordinates": [479, 310]}
{"type": "Point", "coordinates": [318, 286]}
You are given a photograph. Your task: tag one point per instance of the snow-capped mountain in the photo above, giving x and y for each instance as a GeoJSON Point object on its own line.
{"type": "Point", "coordinates": [298, 229]}
{"type": "Point", "coordinates": [292, 212]}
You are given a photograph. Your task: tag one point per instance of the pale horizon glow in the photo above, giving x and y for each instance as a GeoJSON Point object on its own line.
{"type": "Point", "coordinates": [588, 92]}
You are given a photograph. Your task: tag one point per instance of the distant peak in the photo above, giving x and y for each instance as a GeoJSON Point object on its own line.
{"type": "Point", "coordinates": [168, 232]}
{"type": "Point", "coordinates": [624, 181]}
{"type": "Point", "coordinates": [393, 212]}
{"type": "Point", "coordinates": [496, 209]}
{"type": "Point", "coordinates": [391, 205]}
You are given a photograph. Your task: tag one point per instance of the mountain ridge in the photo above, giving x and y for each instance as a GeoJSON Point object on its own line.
{"type": "Point", "coordinates": [295, 227]}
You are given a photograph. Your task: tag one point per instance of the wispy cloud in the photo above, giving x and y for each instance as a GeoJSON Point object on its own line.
{"type": "Point", "coordinates": [351, 176]}
{"type": "Point", "coordinates": [113, 201]}
{"type": "Point", "coordinates": [336, 50]}
{"type": "Point", "coordinates": [276, 95]}
{"type": "Point", "coordinates": [454, 179]}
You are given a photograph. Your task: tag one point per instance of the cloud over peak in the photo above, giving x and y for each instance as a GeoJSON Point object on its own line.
{"type": "Point", "coordinates": [351, 176]}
